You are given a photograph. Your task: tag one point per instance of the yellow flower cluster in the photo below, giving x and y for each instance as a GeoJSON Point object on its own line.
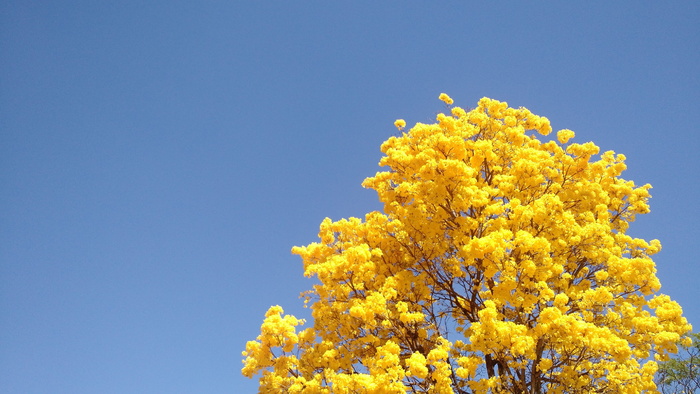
{"type": "Point", "coordinates": [446, 99]}
{"type": "Point", "coordinates": [512, 247]}
{"type": "Point", "coordinates": [565, 135]}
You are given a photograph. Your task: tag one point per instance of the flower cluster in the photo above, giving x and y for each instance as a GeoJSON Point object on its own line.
{"type": "Point", "coordinates": [500, 263]}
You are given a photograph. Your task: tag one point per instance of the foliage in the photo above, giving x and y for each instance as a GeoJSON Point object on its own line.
{"type": "Point", "coordinates": [500, 263]}
{"type": "Point", "coordinates": [681, 374]}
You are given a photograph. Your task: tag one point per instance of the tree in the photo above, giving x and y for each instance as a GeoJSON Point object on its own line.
{"type": "Point", "coordinates": [681, 374]}
{"type": "Point", "coordinates": [500, 263]}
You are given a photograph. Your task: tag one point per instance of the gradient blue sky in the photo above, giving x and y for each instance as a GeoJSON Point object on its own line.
{"type": "Point", "coordinates": [159, 159]}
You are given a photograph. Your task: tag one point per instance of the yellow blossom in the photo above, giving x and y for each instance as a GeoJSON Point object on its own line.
{"type": "Point", "coordinates": [445, 98]}
{"type": "Point", "coordinates": [514, 248]}
{"type": "Point", "coordinates": [565, 135]}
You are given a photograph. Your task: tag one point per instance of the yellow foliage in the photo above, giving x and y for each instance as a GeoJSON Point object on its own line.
{"type": "Point", "coordinates": [512, 247]}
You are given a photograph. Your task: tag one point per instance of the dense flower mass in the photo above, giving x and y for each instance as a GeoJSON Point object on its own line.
{"type": "Point", "coordinates": [500, 263]}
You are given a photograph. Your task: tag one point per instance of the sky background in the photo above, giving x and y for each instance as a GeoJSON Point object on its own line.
{"type": "Point", "coordinates": [159, 159]}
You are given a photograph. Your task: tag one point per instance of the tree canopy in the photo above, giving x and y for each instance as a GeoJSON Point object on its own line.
{"type": "Point", "coordinates": [500, 263]}
{"type": "Point", "coordinates": [681, 374]}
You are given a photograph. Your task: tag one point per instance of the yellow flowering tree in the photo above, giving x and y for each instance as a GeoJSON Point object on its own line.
{"type": "Point", "coordinates": [500, 263]}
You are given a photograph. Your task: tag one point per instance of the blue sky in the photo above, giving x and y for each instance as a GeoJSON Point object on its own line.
{"type": "Point", "coordinates": [159, 159]}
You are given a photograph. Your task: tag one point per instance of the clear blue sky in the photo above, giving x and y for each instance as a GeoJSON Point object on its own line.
{"type": "Point", "coordinates": [159, 159]}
